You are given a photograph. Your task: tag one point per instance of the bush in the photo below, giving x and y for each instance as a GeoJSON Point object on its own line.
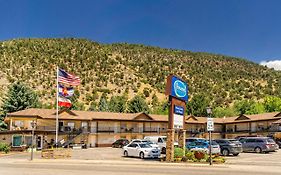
{"type": "Point", "coordinates": [189, 155]}
{"type": "Point", "coordinates": [178, 153]}
{"type": "Point", "coordinates": [4, 147]}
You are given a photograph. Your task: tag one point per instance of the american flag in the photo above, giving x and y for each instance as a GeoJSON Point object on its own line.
{"type": "Point", "coordinates": [68, 78]}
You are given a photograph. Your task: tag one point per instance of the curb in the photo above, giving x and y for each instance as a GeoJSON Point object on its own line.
{"type": "Point", "coordinates": [114, 162]}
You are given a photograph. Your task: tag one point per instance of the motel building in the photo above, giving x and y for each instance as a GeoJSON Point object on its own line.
{"type": "Point", "coordinates": [99, 129]}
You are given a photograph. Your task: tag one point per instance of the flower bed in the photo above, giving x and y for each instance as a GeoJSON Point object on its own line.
{"type": "Point", "coordinates": [195, 156]}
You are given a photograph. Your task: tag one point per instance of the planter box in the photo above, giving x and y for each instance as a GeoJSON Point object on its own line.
{"type": "Point", "coordinates": [56, 153]}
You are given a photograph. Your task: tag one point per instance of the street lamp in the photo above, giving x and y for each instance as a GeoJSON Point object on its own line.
{"type": "Point", "coordinates": [210, 123]}
{"type": "Point", "coordinates": [33, 125]}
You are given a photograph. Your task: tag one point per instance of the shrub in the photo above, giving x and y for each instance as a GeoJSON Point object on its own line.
{"type": "Point", "coordinates": [189, 155]}
{"type": "Point", "coordinates": [4, 147]}
{"type": "Point", "coordinates": [178, 153]}
{"type": "Point", "coordinates": [184, 159]}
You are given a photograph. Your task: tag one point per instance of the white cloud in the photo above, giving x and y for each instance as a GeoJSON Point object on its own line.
{"type": "Point", "coordinates": [275, 64]}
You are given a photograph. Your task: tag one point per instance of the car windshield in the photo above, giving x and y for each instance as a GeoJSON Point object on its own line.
{"type": "Point", "coordinates": [145, 146]}
{"type": "Point", "coordinates": [233, 141]}
{"type": "Point", "coordinates": [147, 142]}
{"type": "Point", "coordinates": [201, 140]}
{"type": "Point", "coordinates": [214, 143]}
{"type": "Point", "coordinates": [270, 140]}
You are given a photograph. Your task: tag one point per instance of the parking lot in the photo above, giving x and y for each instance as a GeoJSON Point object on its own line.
{"type": "Point", "coordinates": [263, 159]}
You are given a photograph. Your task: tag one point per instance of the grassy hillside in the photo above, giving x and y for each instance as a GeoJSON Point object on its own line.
{"type": "Point", "coordinates": [133, 69]}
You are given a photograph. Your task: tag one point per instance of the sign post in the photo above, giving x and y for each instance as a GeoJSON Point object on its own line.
{"type": "Point", "coordinates": [177, 90]}
{"type": "Point", "coordinates": [210, 128]}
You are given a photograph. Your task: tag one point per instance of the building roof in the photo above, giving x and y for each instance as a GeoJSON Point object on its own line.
{"type": "Point", "coordinates": [91, 115]}
{"type": "Point", "coordinates": [255, 117]}
{"type": "Point", "coordinates": [83, 115]}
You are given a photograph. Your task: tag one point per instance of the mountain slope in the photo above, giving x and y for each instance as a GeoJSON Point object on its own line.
{"type": "Point", "coordinates": [119, 68]}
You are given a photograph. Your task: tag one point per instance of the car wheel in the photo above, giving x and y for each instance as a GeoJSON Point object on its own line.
{"type": "Point", "coordinates": [236, 154]}
{"type": "Point", "coordinates": [163, 150]}
{"type": "Point", "coordinates": [141, 155]}
{"type": "Point", "coordinates": [126, 153]}
{"type": "Point", "coordinates": [225, 152]}
{"type": "Point", "coordinates": [258, 150]}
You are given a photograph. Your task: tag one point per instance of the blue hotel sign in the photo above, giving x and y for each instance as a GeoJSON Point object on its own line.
{"type": "Point", "coordinates": [179, 89]}
{"type": "Point", "coordinates": [178, 110]}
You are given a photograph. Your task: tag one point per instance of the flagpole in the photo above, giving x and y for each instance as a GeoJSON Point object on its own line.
{"type": "Point", "coordinates": [57, 108]}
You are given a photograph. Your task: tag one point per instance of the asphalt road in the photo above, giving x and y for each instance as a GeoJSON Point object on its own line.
{"type": "Point", "coordinates": [53, 167]}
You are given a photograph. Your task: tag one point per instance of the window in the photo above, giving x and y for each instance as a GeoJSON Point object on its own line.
{"type": "Point", "coordinates": [17, 140]}
{"type": "Point", "coordinates": [84, 124]}
{"type": "Point", "coordinates": [259, 140]}
{"type": "Point", "coordinates": [28, 140]}
{"type": "Point", "coordinates": [71, 125]}
{"type": "Point", "coordinates": [19, 123]}
{"type": "Point", "coordinates": [132, 145]}
{"type": "Point", "coordinates": [250, 140]}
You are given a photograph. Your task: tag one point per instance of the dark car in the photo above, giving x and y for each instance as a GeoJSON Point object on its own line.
{"type": "Point", "coordinates": [230, 146]}
{"type": "Point", "coordinates": [258, 144]}
{"type": "Point", "coordinates": [120, 143]}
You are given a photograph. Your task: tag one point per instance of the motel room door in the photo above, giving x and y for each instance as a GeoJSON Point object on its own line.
{"type": "Point", "coordinates": [39, 142]}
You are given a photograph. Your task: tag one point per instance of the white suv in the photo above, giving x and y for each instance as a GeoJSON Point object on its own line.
{"type": "Point", "coordinates": [160, 141]}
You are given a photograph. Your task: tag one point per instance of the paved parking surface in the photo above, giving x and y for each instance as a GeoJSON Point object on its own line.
{"type": "Point", "coordinates": [109, 161]}
{"type": "Point", "coordinates": [264, 159]}
{"type": "Point", "coordinates": [268, 159]}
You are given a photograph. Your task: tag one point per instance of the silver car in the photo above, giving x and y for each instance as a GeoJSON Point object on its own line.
{"type": "Point", "coordinates": [258, 144]}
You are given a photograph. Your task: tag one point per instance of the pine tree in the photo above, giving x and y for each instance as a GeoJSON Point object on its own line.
{"type": "Point", "coordinates": [117, 104]}
{"type": "Point", "coordinates": [137, 104]}
{"type": "Point", "coordinates": [19, 97]}
{"type": "Point", "coordinates": [103, 106]}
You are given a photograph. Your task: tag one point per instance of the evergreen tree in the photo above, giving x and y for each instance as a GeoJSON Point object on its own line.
{"type": "Point", "coordinates": [197, 106]}
{"type": "Point", "coordinates": [155, 100]}
{"type": "Point", "coordinates": [19, 97]}
{"type": "Point", "coordinates": [117, 104]}
{"type": "Point", "coordinates": [93, 106]}
{"type": "Point", "coordinates": [137, 104]}
{"type": "Point", "coordinates": [103, 106]}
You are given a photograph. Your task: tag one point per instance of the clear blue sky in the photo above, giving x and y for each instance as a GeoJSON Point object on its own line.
{"type": "Point", "coordinates": [242, 28]}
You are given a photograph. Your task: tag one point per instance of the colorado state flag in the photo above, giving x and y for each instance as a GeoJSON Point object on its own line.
{"type": "Point", "coordinates": [65, 91]}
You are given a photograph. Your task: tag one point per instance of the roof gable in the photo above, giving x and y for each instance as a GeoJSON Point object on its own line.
{"type": "Point", "coordinates": [143, 116]}
{"type": "Point", "coordinates": [242, 117]}
{"type": "Point", "coordinates": [66, 111]}
{"type": "Point", "coordinates": [278, 115]}
{"type": "Point", "coordinates": [191, 118]}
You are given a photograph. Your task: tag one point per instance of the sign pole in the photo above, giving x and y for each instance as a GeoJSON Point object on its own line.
{"type": "Point", "coordinates": [210, 147]}
{"type": "Point", "coordinates": [210, 128]}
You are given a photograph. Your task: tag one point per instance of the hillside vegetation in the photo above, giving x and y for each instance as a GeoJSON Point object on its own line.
{"type": "Point", "coordinates": [118, 69]}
